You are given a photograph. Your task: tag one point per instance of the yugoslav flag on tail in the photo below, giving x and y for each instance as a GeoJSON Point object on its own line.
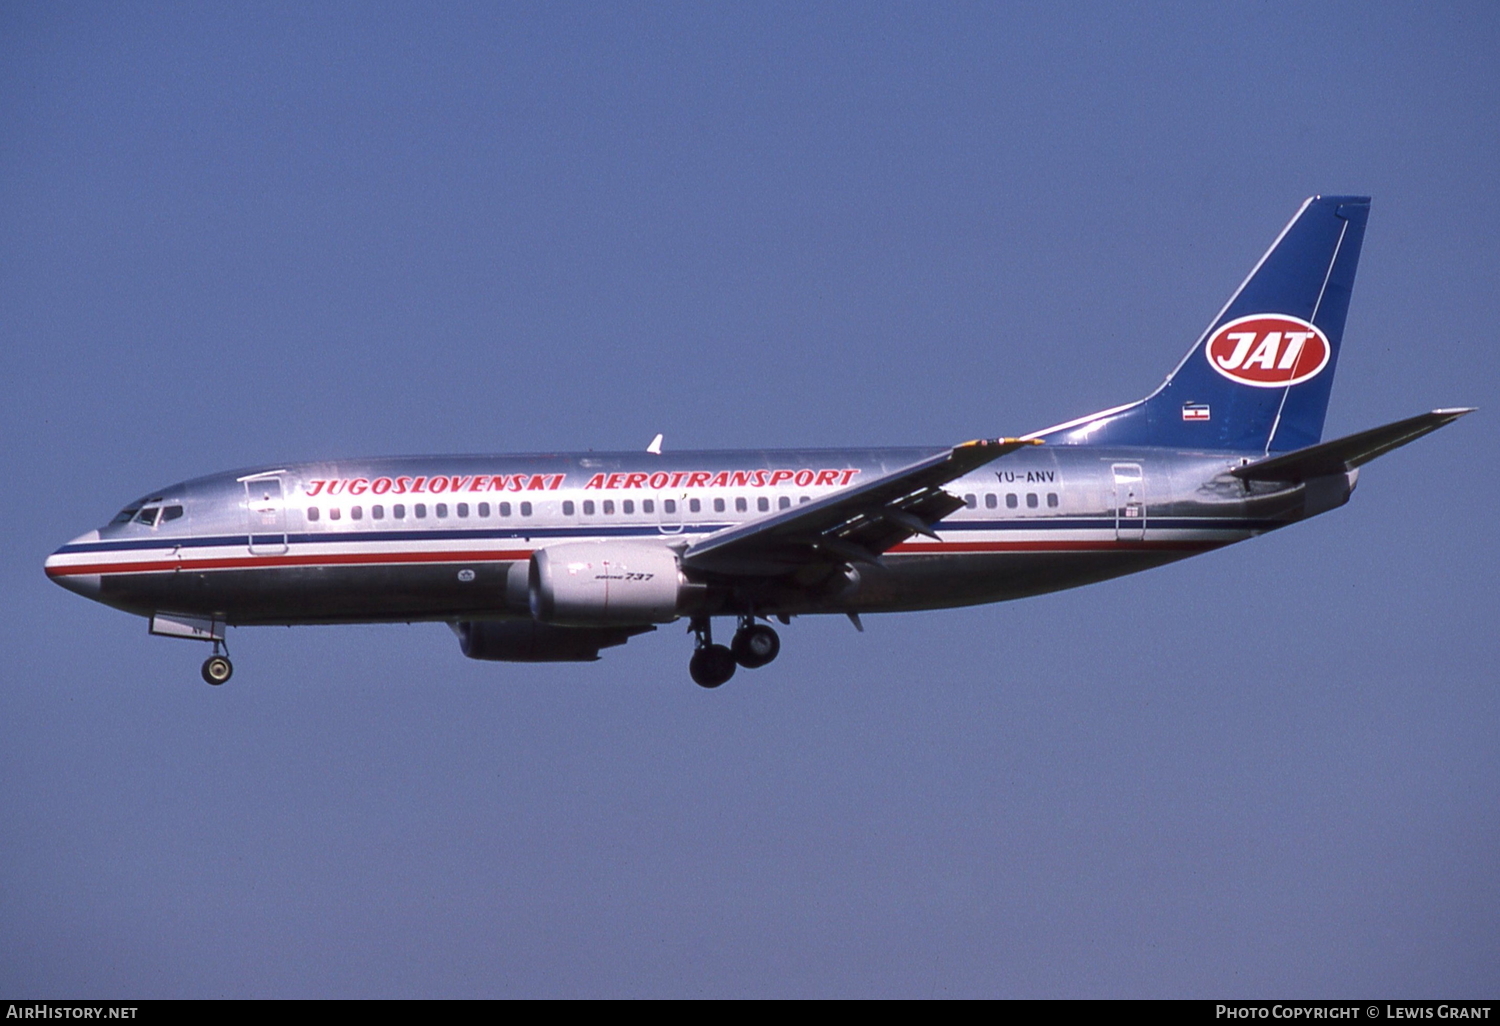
{"type": "Point", "coordinates": [1260, 376]}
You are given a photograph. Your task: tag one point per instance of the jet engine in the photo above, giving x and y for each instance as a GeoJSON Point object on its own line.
{"type": "Point", "coordinates": [602, 584]}
{"type": "Point", "coordinates": [524, 641]}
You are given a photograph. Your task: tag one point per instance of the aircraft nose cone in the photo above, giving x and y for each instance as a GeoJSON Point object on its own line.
{"type": "Point", "coordinates": [66, 568]}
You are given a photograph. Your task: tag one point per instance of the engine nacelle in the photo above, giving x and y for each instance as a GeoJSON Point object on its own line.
{"type": "Point", "coordinates": [599, 584]}
{"type": "Point", "coordinates": [525, 641]}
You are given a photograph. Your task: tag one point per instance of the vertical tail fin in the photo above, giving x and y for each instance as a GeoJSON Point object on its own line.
{"type": "Point", "coordinates": [1260, 376]}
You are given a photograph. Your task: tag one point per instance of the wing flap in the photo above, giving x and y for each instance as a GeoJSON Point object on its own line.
{"type": "Point", "coordinates": [853, 525]}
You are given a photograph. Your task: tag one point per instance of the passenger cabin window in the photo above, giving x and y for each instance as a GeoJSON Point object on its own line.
{"type": "Point", "coordinates": [718, 505]}
{"type": "Point", "coordinates": [568, 507]}
{"type": "Point", "coordinates": [420, 511]}
{"type": "Point", "coordinates": [668, 506]}
{"type": "Point", "coordinates": [1010, 501]}
{"type": "Point", "coordinates": [398, 511]}
{"type": "Point", "coordinates": [357, 513]}
{"type": "Point", "coordinates": [609, 507]}
{"type": "Point", "coordinates": [442, 509]}
{"type": "Point", "coordinates": [377, 512]}
{"type": "Point", "coordinates": [627, 506]}
{"type": "Point", "coordinates": [1051, 500]}
{"type": "Point", "coordinates": [1031, 500]}
{"type": "Point", "coordinates": [763, 504]}
{"type": "Point", "coordinates": [463, 509]}
{"type": "Point", "coordinates": [695, 506]}
{"type": "Point", "coordinates": [526, 509]}
{"type": "Point", "coordinates": [484, 509]}
{"type": "Point", "coordinates": [991, 500]}
{"type": "Point", "coordinates": [785, 502]}
{"type": "Point", "coordinates": [648, 506]}
{"type": "Point", "coordinates": [505, 508]}
{"type": "Point", "coordinates": [312, 513]}
{"type": "Point", "coordinates": [971, 502]}
{"type": "Point", "coordinates": [740, 506]}
{"type": "Point", "coordinates": [333, 513]}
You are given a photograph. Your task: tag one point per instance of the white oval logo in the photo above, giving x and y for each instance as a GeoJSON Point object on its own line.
{"type": "Point", "coordinates": [466, 575]}
{"type": "Point", "coordinates": [1268, 350]}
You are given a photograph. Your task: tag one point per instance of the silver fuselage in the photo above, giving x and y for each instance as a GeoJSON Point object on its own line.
{"type": "Point", "coordinates": [438, 538]}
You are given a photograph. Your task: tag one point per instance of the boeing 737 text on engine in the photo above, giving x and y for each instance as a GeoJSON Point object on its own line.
{"type": "Point", "coordinates": [533, 558]}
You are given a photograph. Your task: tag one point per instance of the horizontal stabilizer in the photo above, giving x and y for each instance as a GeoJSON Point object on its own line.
{"type": "Point", "coordinates": [1344, 454]}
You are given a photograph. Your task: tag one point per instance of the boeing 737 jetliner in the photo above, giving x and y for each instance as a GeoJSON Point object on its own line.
{"type": "Point", "coordinates": [533, 558]}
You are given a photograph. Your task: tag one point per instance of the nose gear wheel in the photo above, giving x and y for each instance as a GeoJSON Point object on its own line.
{"type": "Point", "coordinates": [217, 669]}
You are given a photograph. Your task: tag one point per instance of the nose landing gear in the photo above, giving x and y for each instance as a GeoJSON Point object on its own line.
{"type": "Point", "coordinates": [217, 668]}
{"type": "Point", "coordinates": [754, 645]}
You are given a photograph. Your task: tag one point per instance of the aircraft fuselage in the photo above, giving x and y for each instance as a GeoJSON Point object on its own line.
{"type": "Point", "coordinates": [437, 538]}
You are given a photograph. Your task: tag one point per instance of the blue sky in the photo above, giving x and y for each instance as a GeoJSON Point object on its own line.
{"type": "Point", "coordinates": [237, 235]}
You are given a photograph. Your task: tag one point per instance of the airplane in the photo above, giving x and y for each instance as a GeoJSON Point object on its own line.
{"type": "Point", "coordinates": [555, 557]}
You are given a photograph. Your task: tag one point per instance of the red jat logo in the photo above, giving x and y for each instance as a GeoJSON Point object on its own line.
{"type": "Point", "coordinates": [1268, 350]}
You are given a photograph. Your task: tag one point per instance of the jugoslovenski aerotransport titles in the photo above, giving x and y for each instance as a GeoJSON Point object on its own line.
{"type": "Point", "coordinates": [533, 558]}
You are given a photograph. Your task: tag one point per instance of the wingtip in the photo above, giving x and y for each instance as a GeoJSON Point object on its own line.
{"type": "Point", "coordinates": [983, 442]}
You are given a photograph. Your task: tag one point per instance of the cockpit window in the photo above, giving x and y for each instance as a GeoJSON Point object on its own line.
{"type": "Point", "coordinates": [138, 512]}
{"type": "Point", "coordinates": [171, 513]}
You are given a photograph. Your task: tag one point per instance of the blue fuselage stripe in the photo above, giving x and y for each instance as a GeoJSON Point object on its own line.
{"type": "Point", "coordinates": [647, 531]}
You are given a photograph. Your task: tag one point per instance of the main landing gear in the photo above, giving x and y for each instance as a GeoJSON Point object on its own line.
{"type": "Point", "coordinates": [217, 668]}
{"type": "Point", "coordinates": [754, 645]}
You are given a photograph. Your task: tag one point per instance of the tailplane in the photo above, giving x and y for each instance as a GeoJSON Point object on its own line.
{"type": "Point", "coordinates": [1260, 376]}
{"type": "Point", "coordinates": [1351, 452]}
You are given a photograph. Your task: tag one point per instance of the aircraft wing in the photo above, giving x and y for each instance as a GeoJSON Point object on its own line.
{"type": "Point", "coordinates": [1344, 454]}
{"type": "Point", "coordinates": [852, 526]}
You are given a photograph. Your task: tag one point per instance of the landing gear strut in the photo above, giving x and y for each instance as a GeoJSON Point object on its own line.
{"type": "Point", "coordinates": [711, 664]}
{"type": "Point", "coordinates": [217, 668]}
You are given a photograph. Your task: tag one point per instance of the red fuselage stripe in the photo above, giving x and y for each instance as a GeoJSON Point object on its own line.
{"type": "Point", "coordinates": [261, 562]}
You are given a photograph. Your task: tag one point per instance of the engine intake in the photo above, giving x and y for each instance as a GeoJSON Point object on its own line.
{"type": "Point", "coordinates": [600, 584]}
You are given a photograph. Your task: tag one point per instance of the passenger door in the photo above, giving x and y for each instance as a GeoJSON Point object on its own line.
{"type": "Point", "coordinates": [265, 514]}
{"type": "Point", "coordinates": [1130, 502]}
